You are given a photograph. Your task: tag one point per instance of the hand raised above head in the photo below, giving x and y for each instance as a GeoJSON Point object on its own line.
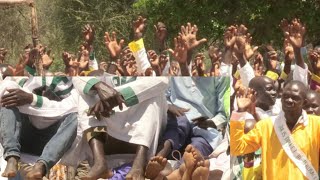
{"type": "Point", "coordinates": [295, 33]}
{"type": "Point", "coordinates": [161, 31]}
{"type": "Point", "coordinates": [88, 32]}
{"type": "Point", "coordinates": [139, 26]}
{"type": "Point", "coordinates": [189, 35]}
{"type": "Point", "coordinates": [112, 45]}
{"type": "Point", "coordinates": [180, 52]}
{"type": "Point", "coordinates": [230, 37]}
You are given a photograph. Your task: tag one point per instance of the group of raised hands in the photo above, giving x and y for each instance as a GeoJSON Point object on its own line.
{"type": "Point", "coordinates": [184, 59]}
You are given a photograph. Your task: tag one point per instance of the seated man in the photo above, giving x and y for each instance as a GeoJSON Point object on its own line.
{"type": "Point", "coordinates": [289, 141]}
{"type": "Point", "coordinates": [137, 127]}
{"type": "Point", "coordinates": [196, 110]}
{"type": "Point", "coordinates": [23, 131]}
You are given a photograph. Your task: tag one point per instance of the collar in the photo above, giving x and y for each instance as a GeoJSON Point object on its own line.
{"type": "Point", "coordinates": [303, 119]}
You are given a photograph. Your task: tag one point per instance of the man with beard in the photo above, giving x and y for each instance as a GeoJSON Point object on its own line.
{"type": "Point", "coordinates": [289, 141]}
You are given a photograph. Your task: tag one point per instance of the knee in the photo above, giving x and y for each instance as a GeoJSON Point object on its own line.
{"type": "Point", "coordinates": [71, 120]}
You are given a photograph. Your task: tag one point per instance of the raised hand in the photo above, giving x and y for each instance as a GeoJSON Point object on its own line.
{"type": "Point", "coordinates": [249, 50]}
{"type": "Point", "coordinates": [154, 58]}
{"type": "Point", "coordinates": [174, 69]}
{"type": "Point", "coordinates": [88, 32]}
{"type": "Point", "coordinates": [189, 35]}
{"type": "Point", "coordinates": [199, 63]}
{"type": "Point", "coordinates": [161, 32]}
{"type": "Point", "coordinates": [242, 30]}
{"type": "Point", "coordinates": [215, 54]}
{"type": "Point", "coordinates": [127, 62]}
{"type": "Point", "coordinates": [240, 44]}
{"type": "Point", "coordinates": [83, 59]}
{"type": "Point", "coordinates": [284, 25]}
{"type": "Point", "coordinates": [180, 52]}
{"type": "Point", "coordinates": [139, 27]}
{"type": "Point", "coordinates": [163, 60]}
{"type": "Point", "coordinates": [246, 100]}
{"type": "Point", "coordinates": [45, 57]}
{"type": "Point", "coordinates": [112, 45]}
{"type": "Point", "coordinates": [314, 57]}
{"type": "Point", "coordinates": [230, 37]}
{"type": "Point", "coordinates": [155, 62]}
{"type": "Point", "coordinates": [288, 51]}
{"type": "Point", "coordinates": [215, 69]}
{"type": "Point", "coordinates": [258, 65]}
{"type": "Point", "coordinates": [70, 60]}
{"type": "Point", "coordinates": [295, 33]}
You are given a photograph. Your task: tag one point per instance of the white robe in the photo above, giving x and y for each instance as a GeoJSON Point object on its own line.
{"type": "Point", "coordinates": [139, 124]}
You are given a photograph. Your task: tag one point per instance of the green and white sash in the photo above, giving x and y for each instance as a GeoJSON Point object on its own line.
{"type": "Point", "coordinates": [291, 149]}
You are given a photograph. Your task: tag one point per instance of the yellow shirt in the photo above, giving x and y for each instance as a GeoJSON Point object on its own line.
{"type": "Point", "coordinates": [275, 162]}
{"type": "Point", "coordinates": [253, 173]}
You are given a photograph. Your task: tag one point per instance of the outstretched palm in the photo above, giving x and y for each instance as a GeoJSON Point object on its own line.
{"type": "Point", "coordinates": [112, 45]}
{"type": "Point", "coordinates": [189, 35]}
{"type": "Point", "coordinates": [181, 51]}
{"type": "Point", "coordinates": [295, 33]}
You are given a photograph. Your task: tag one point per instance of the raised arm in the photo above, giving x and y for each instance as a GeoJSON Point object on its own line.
{"type": "Point", "coordinates": [241, 143]}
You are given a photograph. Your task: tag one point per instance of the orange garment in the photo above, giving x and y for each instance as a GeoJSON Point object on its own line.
{"type": "Point", "coordinates": [275, 162]}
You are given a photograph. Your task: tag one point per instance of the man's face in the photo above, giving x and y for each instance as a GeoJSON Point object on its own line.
{"type": "Point", "coordinates": [292, 99]}
{"type": "Point", "coordinates": [267, 94]}
{"type": "Point", "coordinates": [312, 105]}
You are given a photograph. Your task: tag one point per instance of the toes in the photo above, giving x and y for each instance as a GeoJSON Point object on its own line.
{"type": "Point", "coordinates": [164, 162]}
{"type": "Point", "coordinates": [160, 158]}
{"type": "Point", "coordinates": [189, 148]}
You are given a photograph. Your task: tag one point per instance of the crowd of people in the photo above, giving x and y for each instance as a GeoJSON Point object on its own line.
{"type": "Point", "coordinates": [274, 124]}
{"type": "Point", "coordinates": [175, 127]}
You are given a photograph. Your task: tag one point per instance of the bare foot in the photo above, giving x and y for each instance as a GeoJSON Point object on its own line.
{"type": "Point", "coordinates": [98, 170]}
{"type": "Point", "coordinates": [155, 166]}
{"type": "Point", "coordinates": [190, 160]}
{"type": "Point", "coordinates": [201, 171]}
{"type": "Point", "coordinates": [196, 153]}
{"type": "Point", "coordinates": [37, 172]}
{"type": "Point", "coordinates": [11, 168]}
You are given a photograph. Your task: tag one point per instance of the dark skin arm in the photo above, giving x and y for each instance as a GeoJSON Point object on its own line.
{"type": "Point", "coordinates": [295, 35]}
{"type": "Point", "coordinates": [112, 45]}
{"type": "Point", "coordinates": [229, 41]}
{"type": "Point", "coordinates": [239, 50]}
{"type": "Point", "coordinates": [16, 97]}
{"type": "Point", "coordinates": [289, 56]}
{"type": "Point", "coordinates": [139, 27]}
{"type": "Point", "coordinates": [189, 35]}
{"type": "Point", "coordinates": [180, 53]}
{"type": "Point", "coordinates": [161, 34]}
{"type": "Point", "coordinates": [109, 98]}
